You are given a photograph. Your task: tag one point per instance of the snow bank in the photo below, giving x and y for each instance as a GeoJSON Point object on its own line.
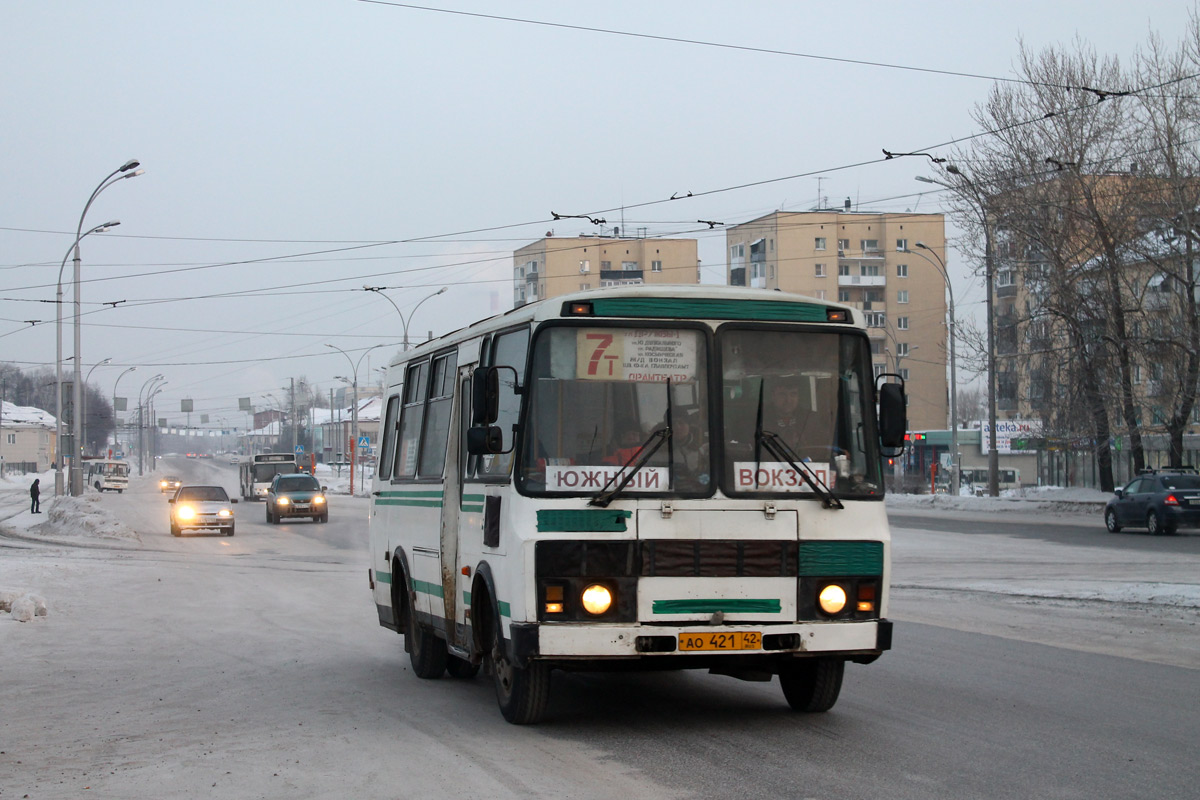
{"type": "Point", "coordinates": [1040, 498]}
{"type": "Point", "coordinates": [82, 516]}
{"type": "Point", "coordinates": [23, 605]}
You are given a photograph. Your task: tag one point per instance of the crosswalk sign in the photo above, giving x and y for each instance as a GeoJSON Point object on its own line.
{"type": "Point", "coordinates": [364, 441]}
{"type": "Point", "coordinates": [299, 449]}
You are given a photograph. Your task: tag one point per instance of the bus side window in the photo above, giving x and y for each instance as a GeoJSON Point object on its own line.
{"type": "Point", "coordinates": [388, 446]}
{"type": "Point", "coordinates": [468, 461]}
{"type": "Point", "coordinates": [437, 416]}
{"type": "Point", "coordinates": [508, 350]}
{"type": "Point", "coordinates": [409, 436]}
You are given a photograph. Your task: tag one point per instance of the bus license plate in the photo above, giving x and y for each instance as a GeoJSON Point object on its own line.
{"type": "Point", "coordinates": [728, 640]}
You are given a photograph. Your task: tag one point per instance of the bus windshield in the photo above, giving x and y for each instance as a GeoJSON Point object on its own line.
{"type": "Point", "coordinates": [265, 473]}
{"type": "Point", "coordinates": [598, 394]}
{"type": "Point", "coordinates": [601, 398]}
{"type": "Point", "coordinates": [807, 391]}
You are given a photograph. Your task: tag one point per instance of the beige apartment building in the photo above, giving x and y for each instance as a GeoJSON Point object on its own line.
{"type": "Point", "coordinates": [552, 267]}
{"type": "Point", "coordinates": [869, 261]}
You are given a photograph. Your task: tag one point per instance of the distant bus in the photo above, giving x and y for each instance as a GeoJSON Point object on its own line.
{"type": "Point", "coordinates": [258, 471]}
{"type": "Point", "coordinates": [108, 475]}
{"type": "Point", "coordinates": [1009, 478]}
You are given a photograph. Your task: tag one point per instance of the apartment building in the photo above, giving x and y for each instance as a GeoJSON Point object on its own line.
{"type": "Point", "coordinates": [552, 267]}
{"type": "Point", "coordinates": [869, 261]}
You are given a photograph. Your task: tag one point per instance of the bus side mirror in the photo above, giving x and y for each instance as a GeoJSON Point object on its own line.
{"type": "Point", "coordinates": [485, 394]}
{"type": "Point", "coordinates": [893, 413]}
{"type": "Point", "coordinates": [485, 440]}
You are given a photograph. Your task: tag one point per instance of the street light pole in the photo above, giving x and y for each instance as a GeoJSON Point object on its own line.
{"type": "Point", "coordinates": [127, 170]}
{"type": "Point", "coordinates": [354, 384]}
{"type": "Point", "coordinates": [83, 408]}
{"type": "Point", "coordinates": [955, 467]}
{"type": "Point", "coordinates": [141, 393]}
{"type": "Point", "coordinates": [117, 441]}
{"type": "Point", "coordinates": [979, 202]}
{"type": "Point", "coordinates": [405, 320]}
{"type": "Point", "coordinates": [58, 321]}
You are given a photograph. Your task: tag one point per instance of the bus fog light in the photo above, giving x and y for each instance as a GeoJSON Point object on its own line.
{"type": "Point", "coordinates": [596, 599]}
{"type": "Point", "coordinates": [864, 605]}
{"type": "Point", "coordinates": [832, 599]}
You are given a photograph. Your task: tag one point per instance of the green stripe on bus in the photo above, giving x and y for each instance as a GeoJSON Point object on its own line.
{"type": "Point", "coordinates": [472, 502]}
{"type": "Point", "coordinates": [700, 308]}
{"type": "Point", "coordinates": [840, 558]}
{"type": "Point", "coordinates": [412, 493]}
{"type": "Point", "coordinates": [505, 610]}
{"type": "Point", "coordinates": [581, 520]}
{"type": "Point", "coordinates": [425, 587]}
{"type": "Point", "coordinates": [728, 606]}
{"type": "Point", "coordinates": [383, 577]}
{"type": "Point", "coordinates": [391, 501]}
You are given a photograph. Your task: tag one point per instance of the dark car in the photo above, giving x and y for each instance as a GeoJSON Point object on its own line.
{"type": "Point", "coordinates": [1161, 500]}
{"type": "Point", "coordinates": [296, 495]}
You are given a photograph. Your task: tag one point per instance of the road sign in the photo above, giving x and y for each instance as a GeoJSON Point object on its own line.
{"type": "Point", "coordinates": [299, 449]}
{"type": "Point", "coordinates": [364, 441]}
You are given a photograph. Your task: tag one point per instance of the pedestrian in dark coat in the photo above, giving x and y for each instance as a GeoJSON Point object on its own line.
{"type": "Point", "coordinates": [35, 492]}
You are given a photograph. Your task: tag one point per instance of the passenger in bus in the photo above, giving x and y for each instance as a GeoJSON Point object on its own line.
{"type": "Point", "coordinates": [625, 445]}
{"type": "Point", "coordinates": [690, 446]}
{"type": "Point", "coordinates": [781, 415]}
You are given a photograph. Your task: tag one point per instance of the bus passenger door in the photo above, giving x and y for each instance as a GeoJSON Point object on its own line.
{"type": "Point", "coordinates": [451, 508]}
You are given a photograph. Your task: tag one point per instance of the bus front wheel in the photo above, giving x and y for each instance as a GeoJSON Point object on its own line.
{"type": "Point", "coordinates": [522, 692]}
{"type": "Point", "coordinates": [813, 684]}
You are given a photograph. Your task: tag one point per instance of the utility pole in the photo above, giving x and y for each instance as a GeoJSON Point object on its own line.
{"type": "Point", "coordinates": [293, 413]}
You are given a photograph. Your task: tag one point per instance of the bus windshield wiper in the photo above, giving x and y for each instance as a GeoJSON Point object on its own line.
{"type": "Point", "coordinates": [631, 467]}
{"type": "Point", "coordinates": [778, 448]}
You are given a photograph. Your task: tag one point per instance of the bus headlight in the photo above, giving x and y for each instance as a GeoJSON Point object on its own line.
{"type": "Point", "coordinates": [596, 599]}
{"type": "Point", "coordinates": [832, 599]}
{"type": "Point", "coordinates": [185, 512]}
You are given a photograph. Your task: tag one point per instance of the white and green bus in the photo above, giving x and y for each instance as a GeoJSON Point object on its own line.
{"type": "Point", "coordinates": [639, 477]}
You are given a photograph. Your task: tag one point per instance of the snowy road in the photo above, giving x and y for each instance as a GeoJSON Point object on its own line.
{"type": "Point", "coordinates": [254, 667]}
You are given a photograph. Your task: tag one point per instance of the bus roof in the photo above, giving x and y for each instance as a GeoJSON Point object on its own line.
{"type": "Point", "coordinates": [657, 301]}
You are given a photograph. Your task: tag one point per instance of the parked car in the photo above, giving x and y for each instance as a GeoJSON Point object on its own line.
{"type": "Point", "coordinates": [201, 508]}
{"type": "Point", "coordinates": [1161, 500]}
{"type": "Point", "coordinates": [169, 484]}
{"type": "Point", "coordinates": [296, 495]}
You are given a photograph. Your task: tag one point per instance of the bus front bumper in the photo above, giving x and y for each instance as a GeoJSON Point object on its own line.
{"type": "Point", "coordinates": [858, 641]}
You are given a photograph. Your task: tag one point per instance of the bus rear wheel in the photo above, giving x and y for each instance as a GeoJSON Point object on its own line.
{"type": "Point", "coordinates": [813, 684]}
{"type": "Point", "coordinates": [522, 692]}
{"type": "Point", "coordinates": [426, 651]}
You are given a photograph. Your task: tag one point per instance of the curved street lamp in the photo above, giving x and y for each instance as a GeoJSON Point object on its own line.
{"type": "Point", "coordinates": [127, 170]}
{"type": "Point", "coordinates": [116, 441]}
{"type": "Point", "coordinates": [141, 420]}
{"type": "Point", "coordinates": [354, 384]}
{"type": "Point", "coordinates": [955, 467]}
{"type": "Point", "coordinates": [979, 204]}
{"type": "Point", "coordinates": [83, 408]}
{"type": "Point", "coordinates": [58, 448]}
{"type": "Point", "coordinates": [379, 291]}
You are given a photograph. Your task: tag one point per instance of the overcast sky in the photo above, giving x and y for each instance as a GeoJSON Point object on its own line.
{"type": "Point", "coordinates": [298, 150]}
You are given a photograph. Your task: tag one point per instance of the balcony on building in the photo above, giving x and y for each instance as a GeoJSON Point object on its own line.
{"type": "Point", "coordinates": [862, 280]}
{"type": "Point", "coordinates": [622, 275]}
